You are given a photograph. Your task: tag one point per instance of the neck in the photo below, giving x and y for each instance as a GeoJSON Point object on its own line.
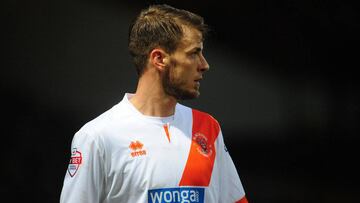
{"type": "Point", "coordinates": [150, 98]}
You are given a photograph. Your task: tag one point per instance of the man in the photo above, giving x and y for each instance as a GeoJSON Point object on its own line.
{"type": "Point", "coordinates": [149, 148]}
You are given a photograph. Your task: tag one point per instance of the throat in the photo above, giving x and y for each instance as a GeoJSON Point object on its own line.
{"type": "Point", "coordinates": [152, 106]}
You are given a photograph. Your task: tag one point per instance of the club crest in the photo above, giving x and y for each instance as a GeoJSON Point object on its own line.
{"type": "Point", "coordinates": [204, 147]}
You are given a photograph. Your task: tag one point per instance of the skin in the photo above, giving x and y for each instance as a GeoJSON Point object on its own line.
{"type": "Point", "coordinates": [171, 77]}
{"type": "Point", "coordinates": [187, 65]}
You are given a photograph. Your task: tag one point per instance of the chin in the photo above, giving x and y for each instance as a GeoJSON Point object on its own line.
{"type": "Point", "coordinates": [181, 93]}
{"type": "Point", "coordinates": [194, 94]}
{"type": "Point", "coordinates": [188, 95]}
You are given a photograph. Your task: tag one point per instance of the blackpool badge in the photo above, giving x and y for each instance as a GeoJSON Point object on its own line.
{"type": "Point", "coordinates": [203, 146]}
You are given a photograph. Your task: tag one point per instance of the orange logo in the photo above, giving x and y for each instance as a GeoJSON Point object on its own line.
{"type": "Point", "coordinates": [136, 149]}
{"type": "Point", "coordinates": [204, 147]}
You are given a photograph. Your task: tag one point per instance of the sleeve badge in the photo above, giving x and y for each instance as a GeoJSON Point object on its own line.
{"type": "Point", "coordinates": [75, 162]}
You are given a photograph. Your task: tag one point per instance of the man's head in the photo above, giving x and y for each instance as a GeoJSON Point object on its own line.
{"type": "Point", "coordinates": [177, 36]}
{"type": "Point", "coordinates": [159, 26]}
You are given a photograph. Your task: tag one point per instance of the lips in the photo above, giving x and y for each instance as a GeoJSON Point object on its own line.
{"type": "Point", "coordinates": [198, 80]}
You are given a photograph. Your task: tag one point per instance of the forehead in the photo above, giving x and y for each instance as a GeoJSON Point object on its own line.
{"type": "Point", "coordinates": [191, 38]}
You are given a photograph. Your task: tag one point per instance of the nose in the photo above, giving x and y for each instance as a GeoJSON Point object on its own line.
{"type": "Point", "coordinates": [204, 66]}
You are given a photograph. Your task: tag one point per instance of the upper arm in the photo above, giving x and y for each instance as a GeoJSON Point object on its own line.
{"type": "Point", "coordinates": [84, 179]}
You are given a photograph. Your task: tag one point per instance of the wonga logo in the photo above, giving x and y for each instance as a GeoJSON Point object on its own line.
{"type": "Point", "coordinates": [176, 195]}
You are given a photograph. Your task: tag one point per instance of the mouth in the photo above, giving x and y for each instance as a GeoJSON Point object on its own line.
{"type": "Point", "coordinates": [197, 82]}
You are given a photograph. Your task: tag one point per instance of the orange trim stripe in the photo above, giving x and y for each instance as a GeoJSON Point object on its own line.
{"type": "Point", "coordinates": [242, 200]}
{"type": "Point", "coordinates": [201, 158]}
{"type": "Point", "coordinates": [167, 132]}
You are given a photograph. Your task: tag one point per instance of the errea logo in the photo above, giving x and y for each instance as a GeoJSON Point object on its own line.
{"type": "Point", "coordinates": [137, 149]}
{"type": "Point", "coordinates": [176, 195]}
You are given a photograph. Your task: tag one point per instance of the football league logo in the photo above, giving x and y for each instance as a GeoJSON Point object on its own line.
{"type": "Point", "coordinates": [75, 162]}
{"type": "Point", "coordinates": [203, 146]}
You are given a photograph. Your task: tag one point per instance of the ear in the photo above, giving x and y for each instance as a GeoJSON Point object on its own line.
{"type": "Point", "coordinates": [159, 58]}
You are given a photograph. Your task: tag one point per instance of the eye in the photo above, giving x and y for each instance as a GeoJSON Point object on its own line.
{"type": "Point", "coordinates": [195, 53]}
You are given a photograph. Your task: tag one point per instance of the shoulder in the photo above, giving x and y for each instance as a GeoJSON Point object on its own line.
{"type": "Point", "coordinates": [204, 127]}
{"type": "Point", "coordinates": [197, 113]}
{"type": "Point", "coordinates": [202, 121]}
{"type": "Point", "coordinates": [98, 123]}
{"type": "Point", "coordinates": [104, 123]}
{"type": "Point", "coordinates": [202, 117]}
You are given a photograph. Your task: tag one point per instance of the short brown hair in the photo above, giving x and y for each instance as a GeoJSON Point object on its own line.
{"type": "Point", "coordinates": [160, 25]}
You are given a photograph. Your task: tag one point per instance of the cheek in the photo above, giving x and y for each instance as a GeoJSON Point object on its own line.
{"type": "Point", "coordinates": [174, 74]}
{"type": "Point", "coordinates": [181, 72]}
{"type": "Point", "coordinates": [182, 77]}
{"type": "Point", "coordinates": [178, 73]}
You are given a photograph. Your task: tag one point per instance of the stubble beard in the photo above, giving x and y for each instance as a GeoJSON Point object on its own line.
{"type": "Point", "coordinates": [174, 88]}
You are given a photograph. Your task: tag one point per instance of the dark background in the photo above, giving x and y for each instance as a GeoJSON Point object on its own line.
{"type": "Point", "coordinates": [283, 84]}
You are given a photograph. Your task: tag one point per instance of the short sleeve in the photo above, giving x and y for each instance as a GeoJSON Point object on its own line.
{"type": "Point", "coordinates": [231, 189]}
{"type": "Point", "coordinates": [84, 179]}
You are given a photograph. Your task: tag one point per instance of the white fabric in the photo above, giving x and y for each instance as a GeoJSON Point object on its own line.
{"type": "Point", "coordinates": [108, 172]}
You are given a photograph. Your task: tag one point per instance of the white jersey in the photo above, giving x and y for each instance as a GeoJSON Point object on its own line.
{"type": "Point", "coordinates": [124, 156]}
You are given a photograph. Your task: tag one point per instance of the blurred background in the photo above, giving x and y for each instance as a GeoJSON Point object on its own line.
{"type": "Point", "coordinates": [282, 83]}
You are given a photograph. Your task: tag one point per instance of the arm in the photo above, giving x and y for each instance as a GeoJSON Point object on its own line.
{"type": "Point", "coordinates": [83, 181]}
{"type": "Point", "coordinates": [231, 189]}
